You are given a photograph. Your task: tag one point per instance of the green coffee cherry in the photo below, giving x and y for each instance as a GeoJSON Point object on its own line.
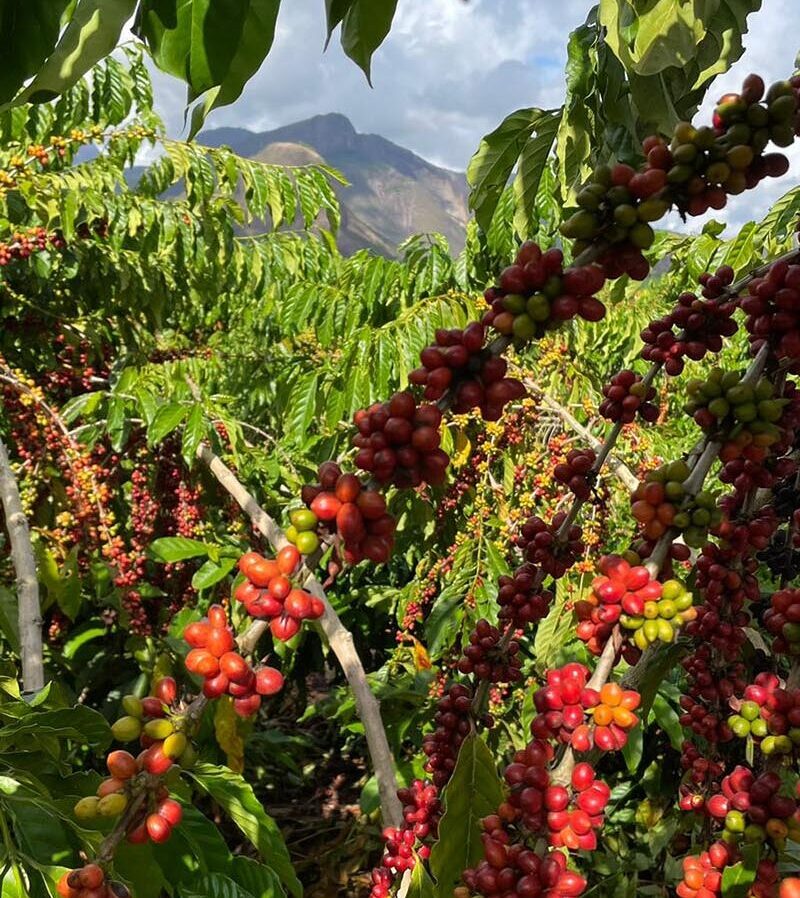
{"type": "Point", "coordinates": [112, 805]}
{"type": "Point", "coordinates": [86, 808]}
{"type": "Point", "coordinates": [159, 729]}
{"type": "Point", "coordinates": [126, 729]}
{"type": "Point", "coordinates": [132, 706]}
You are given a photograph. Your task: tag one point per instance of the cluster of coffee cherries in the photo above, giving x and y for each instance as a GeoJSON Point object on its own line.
{"type": "Point", "coordinates": [544, 807]}
{"type": "Point", "coordinates": [726, 581]}
{"type": "Point", "coordinates": [523, 872]}
{"type": "Point", "coordinates": [25, 243]}
{"type": "Point", "coordinates": [626, 396]}
{"type": "Point", "coordinates": [702, 874]}
{"type": "Point", "coordinates": [224, 670]}
{"type": "Point", "coordinates": [782, 620]}
{"type": "Point", "coordinates": [452, 724]}
{"type": "Point", "coordinates": [618, 203]}
{"type": "Point", "coordinates": [661, 502]}
{"type": "Point", "coordinates": [114, 792]}
{"type": "Point", "coordinates": [702, 775]}
{"type": "Point", "coordinates": [488, 658]}
{"type": "Point", "coordinates": [770, 713]}
{"type": "Point", "coordinates": [722, 403]}
{"type": "Point", "coordinates": [267, 592]}
{"type": "Point", "coordinates": [356, 515]}
{"type": "Point", "coordinates": [562, 704]}
{"type": "Point", "coordinates": [398, 442]}
{"type": "Point", "coordinates": [694, 327]}
{"type": "Point", "coordinates": [536, 294]}
{"type": "Point", "coordinates": [709, 164]}
{"type": "Point", "coordinates": [660, 619]}
{"type": "Point", "coordinates": [753, 808]}
{"type": "Point", "coordinates": [620, 587]}
{"type": "Point", "coordinates": [541, 545]}
{"type": "Point", "coordinates": [421, 812]}
{"type": "Point", "coordinates": [613, 716]}
{"type": "Point", "coordinates": [745, 535]}
{"type": "Point", "coordinates": [90, 881]}
{"type": "Point", "coordinates": [156, 824]}
{"type": "Point", "coordinates": [475, 377]}
{"type": "Point", "coordinates": [302, 530]}
{"type": "Point", "coordinates": [130, 781]}
{"type": "Point", "coordinates": [156, 722]}
{"type": "Point", "coordinates": [521, 599]}
{"type": "Point", "coordinates": [576, 472]}
{"type": "Point", "coordinates": [772, 307]}
{"type": "Point", "coordinates": [568, 817]}
{"type": "Point", "coordinates": [565, 700]}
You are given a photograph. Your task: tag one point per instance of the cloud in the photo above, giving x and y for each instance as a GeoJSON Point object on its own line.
{"type": "Point", "coordinates": [448, 73]}
{"type": "Point", "coordinates": [452, 70]}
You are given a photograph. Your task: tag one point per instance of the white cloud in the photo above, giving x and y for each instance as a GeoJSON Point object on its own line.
{"type": "Point", "coordinates": [451, 70]}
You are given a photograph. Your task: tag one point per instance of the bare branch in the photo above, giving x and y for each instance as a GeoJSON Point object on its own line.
{"type": "Point", "coordinates": [339, 638]}
{"type": "Point", "coordinates": [619, 467]}
{"type": "Point", "coordinates": [29, 610]}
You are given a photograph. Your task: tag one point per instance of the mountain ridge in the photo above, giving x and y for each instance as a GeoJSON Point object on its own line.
{"type": "Point", "coordinates": [392, 191]}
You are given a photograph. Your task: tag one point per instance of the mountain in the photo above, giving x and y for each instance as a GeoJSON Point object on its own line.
{"type": "Point", "coordinates": [393, 193]}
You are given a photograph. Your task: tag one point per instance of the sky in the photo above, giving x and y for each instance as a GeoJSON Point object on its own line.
{"type": "Point", "coordinates": [451, 70]}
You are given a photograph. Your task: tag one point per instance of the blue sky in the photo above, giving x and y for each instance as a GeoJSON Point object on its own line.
{"type": "Point", "coordinates": [451, 70]}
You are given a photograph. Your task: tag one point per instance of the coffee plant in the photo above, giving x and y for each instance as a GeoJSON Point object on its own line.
{"type": "Point", "coordinates": [546, 495]}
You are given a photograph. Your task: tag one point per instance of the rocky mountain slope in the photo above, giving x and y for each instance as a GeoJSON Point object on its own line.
{"type": "Point", "coordinates": [393, 193]}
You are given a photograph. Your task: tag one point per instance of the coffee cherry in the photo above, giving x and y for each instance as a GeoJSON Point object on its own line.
{"type": "Point", "coordinates": [660, 504]}
{"type": "Point", "coordinates": [576, 472]}
{"type": "Point", "coordinates": [536, 294]}
{"type": "Point", "coordinates": [269, 681]}
{"type": "Point", "coordinates": [398, 443]}
{"type": "Point", "coordinates": [660, 619]}
{"type": "Point", "coordinates": [363, 523]}
{"type": "Point", "coordinates": [485, 657]}
{"type": "Point", "coordinates": [521, 601]}
{"type": "Point", "coordinates": [474, 377]}
{"type": "Point", "coordinates": [626, 396]}
{"type": "Point", "coordinates": [158, 828]}
{"type": "Point", "coordinates": [541, 545]}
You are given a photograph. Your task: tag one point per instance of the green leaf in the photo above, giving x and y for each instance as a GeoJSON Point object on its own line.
{"type": "Point", "coordinates": [553, 630]}
{"type": "Point", "coordinates": [335, 11]}
{"type": "Point", "coordinates": [576, 129]}
{"type": "Point", "coordinates": [649, 40]}
{"type": "Point", "coordinates": [9, 621]}
{"type": "Point", "coordinates": [166, 419]}
{"type": "Point", "coordinates": [633, 748]}
{"type": "Point", "coordinates": [211, 573]}
{"type": "Point", "coordinates": [737, 879]}
{"type": "Point", "coordinates": [214, 885]}
{"type": "Point", "coordinates": [491, 166]}
{"type": "Point", "coordinates": [667, 718]}
{"type": "Point", "coordinates": [661, 658]}
{"type": "Point", "coordinates": [177, 548]}
{"type": "Point", "coordinates": [364, 27]}
{"type": "Point", "coordinates": [193, 434]}
{"type": "Point", "coordinates": [255, 42]}
{"type": "Point", "coordinates": [421, 885]}
{"type": "Point", "coordinates": [81, 724]}
{"type": "Point", "coordinates": [529, 174]}
{"type": "Point", "coordinates": [236, 798]}
{"type": "Point", "coordinates": [474, 792]}
{"type": "Point", "coordinates": [257, 878]}
{"type": "Point", "coordinates": [28, 34]}
{"type": "Point", "coordinates": [69, 593]}
{"type": "Point", "coordinates": [197, 849]}
{"type": "Point", "coordinates": [81, 406]}
{"type": "Point", "coordinates": [80, 637]}
{"type": "Point", "coordinates": [92, 33]}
